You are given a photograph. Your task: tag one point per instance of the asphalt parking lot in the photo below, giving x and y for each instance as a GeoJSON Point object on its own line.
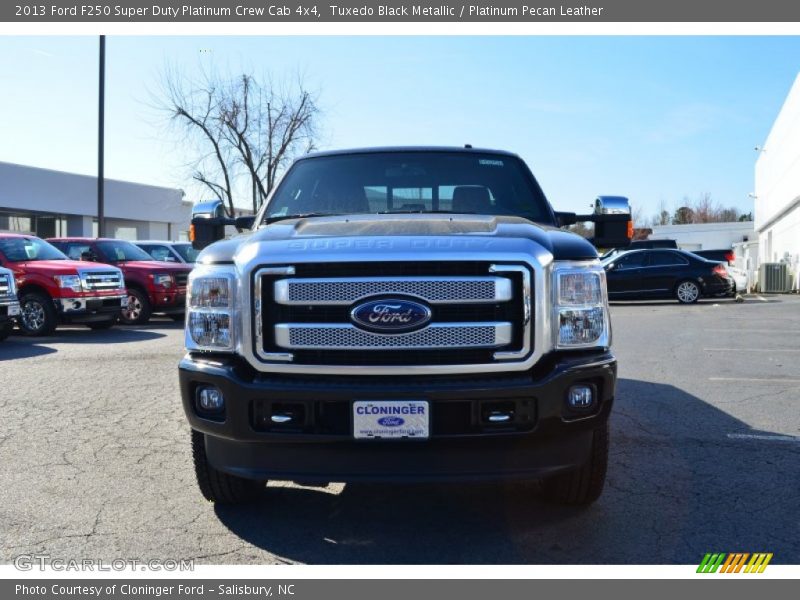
{"type": "Point", "coordinates": [95, 462]}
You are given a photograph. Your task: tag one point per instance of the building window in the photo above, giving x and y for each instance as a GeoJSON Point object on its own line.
{"type": "Point", "coordinates": [42, 225]}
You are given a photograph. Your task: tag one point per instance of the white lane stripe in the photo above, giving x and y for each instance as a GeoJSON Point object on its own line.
{"type": "Point", "coordinates": [751, 349]}
{"type": "Point", "coordinates": [758, 380]}
{"type": "Point", "coordinates": [765, 437]}
{"type": "Point", "coordinates": [743, 330]}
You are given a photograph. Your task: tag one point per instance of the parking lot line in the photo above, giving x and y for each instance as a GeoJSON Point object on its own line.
{"type": "Point", "coordinates": [758, 380]}
{"type": "Point", "coordinates": [765, 437]}
{"type": "Point", "coordinates": [751, 349]}
{"type": "Point", "coordinates": [742, 330]}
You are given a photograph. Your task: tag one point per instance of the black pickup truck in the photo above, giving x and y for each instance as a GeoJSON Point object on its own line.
{"type": "Point", "coordinates": [401, 314]}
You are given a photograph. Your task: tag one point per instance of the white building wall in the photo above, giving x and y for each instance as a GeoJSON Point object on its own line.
{"type": "Point", "coordinates": [777, 186]}
{"type": "Point", "coordinates": [152, 211]}
{"type": "Point", "coordinates": [705, 236]}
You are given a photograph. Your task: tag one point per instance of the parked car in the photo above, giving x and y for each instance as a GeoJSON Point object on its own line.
{"type": "Point", "coordinates": [723, 255]}
{"type": "Point", "coordinates": [53, 289]}
{"type": "Point", "coordinates": [389, 317]}
{"type": "Point", "coordinates": [664, 273]}
{"type": "Point", "coordinates": [9, 305]}
{"type": "Point", "coordinates": [177, 252]}
{"type": "Point", "coordinates": [153, 287]}
{"type": "Point", "coordinates": [641, 245]}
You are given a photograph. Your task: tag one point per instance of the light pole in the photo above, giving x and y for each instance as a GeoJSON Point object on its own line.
{"type": "Point", "coordinates": [101, 110]}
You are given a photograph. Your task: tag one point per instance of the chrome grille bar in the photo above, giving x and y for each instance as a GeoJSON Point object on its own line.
{"type": "Point", "coordinates": [435, 290]}
{"type": "Point", "coordinates": [101, 280]}
{"type": "Point", "coordinates": [344, 336]}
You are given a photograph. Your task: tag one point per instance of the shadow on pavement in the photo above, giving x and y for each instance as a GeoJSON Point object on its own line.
{"type": "Point", "coordinates": [15, 347]}
{"type": "Point", "coordinates": [21, 344]}
{"type": "Point", "coordinates": [677, 488]}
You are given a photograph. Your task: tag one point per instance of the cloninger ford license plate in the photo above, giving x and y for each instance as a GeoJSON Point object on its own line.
{"type": "Point", "coordinates": [391, 419]}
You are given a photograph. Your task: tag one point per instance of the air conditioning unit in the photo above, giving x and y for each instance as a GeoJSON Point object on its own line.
{"type": "Point", "coordinates": [774, 278]}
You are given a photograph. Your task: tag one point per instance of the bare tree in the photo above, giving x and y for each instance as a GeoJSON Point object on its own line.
{"type": "Point", "coordinates": [245, 131]}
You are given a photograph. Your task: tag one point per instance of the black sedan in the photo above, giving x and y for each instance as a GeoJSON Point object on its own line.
{"type": "Point", "coordinates": [666, 274]}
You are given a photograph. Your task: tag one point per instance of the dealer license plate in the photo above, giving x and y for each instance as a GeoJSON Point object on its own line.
{"type": "Point", "coordinates": [13, 311]}
{"type": "Point", "coordinates": [391, 419]}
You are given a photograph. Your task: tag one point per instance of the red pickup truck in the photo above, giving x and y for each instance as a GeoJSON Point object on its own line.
{"type": "Point", "coordinates": [153, 286]}
{"type": "Point", "coordinates": [53, 289]}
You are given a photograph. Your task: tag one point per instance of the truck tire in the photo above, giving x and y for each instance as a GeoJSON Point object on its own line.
{"type": "Point", "coordinates": [216, 486]}
{"type": "Point", "coordinates": [584, 485]}
{"type": "Point", "coordinates": [37, 316]}
{"type": "Point", "coordinates": [5, 330]}
{"type": "Point", "coordinates": [99, 325]}
{"type": "Point", "coordinates": [138, 310]}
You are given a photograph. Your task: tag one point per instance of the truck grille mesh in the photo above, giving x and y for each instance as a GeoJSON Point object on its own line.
{"type": "Point", "coordinates": [344, 337]}
{"type": "Point", "coordinates": [474, 313]}
{"type": "Point", "coordinates": [339, 291]}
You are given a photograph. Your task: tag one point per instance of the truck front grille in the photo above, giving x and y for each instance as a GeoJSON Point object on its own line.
{"type": "Point", "coordinates": [101, 280]}
{"type": "Point", "coordinates": [480, 313]}
{"type": "Point", "coordinates": [5, 286]}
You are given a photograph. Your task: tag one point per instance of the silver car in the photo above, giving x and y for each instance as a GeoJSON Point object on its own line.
{"type": "Point", "coordinates": [178, 252]}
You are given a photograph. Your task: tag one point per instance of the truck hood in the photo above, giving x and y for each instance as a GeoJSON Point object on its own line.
{"type": "Point", "coordinates": [62, 267]}
{"type": "Point", "coordinates": [375, 234]}
{"type": "Point", "coordinates": [154, 266]}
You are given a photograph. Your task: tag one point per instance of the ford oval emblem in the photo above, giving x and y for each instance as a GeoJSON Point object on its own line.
{"type": "Point", "coordinates": [391, 315]}
{"type": "Point", "coordinates": [391, 421]}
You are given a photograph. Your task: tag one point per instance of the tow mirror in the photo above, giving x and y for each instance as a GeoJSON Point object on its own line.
{"type": "Point", "coordinates": [208, 223]}
{"type": "Point", "coordinates": [613, 227]}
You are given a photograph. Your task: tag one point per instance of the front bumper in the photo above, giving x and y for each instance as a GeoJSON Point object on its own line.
{"type": "Point", "coordinates": [168, 302]}
{"type": "Point", "coordinates": [544, 437]}
{"type": "Point", "coordinates": [85, 309]}
{"type": "Point", "coordinates": [9, 309]}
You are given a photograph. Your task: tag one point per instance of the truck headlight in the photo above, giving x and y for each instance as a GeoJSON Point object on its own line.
{"type": "Point", "coordinates": [580, 305]}
{"type": "Point", "coordinates": [210, 304]}
{"type": "Point", "coordinates": [69, 282]}
{"type": "Point", "coordinates": [164, 280]}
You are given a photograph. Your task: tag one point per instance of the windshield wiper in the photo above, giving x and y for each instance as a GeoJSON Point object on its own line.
{"type": "Point", "coordinates": [276, 218]}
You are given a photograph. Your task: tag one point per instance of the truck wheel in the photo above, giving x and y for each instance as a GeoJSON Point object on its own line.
{"type": "Point", "coordinates": [687, 292]}
{"type": "Point", "coordinates": [98, 325]}
{"type": "Point", "coordinates": [5, 330]}
{"type": "Point", "coordinates": [37, 314]}
{"type": "Point", "coordinates": [138, 310]}
{"type": "Point", "coordinates": [216, 486]}
{"type": "Point", "coordinates": [585, 484]}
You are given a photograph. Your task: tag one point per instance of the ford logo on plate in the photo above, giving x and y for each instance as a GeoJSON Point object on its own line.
{"type": "Point", "coordinates": [391, 421]}
{"type": "Point", "coordinates": [391, 315]}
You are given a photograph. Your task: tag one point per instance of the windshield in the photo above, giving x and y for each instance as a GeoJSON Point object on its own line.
{"type": "Point", "coordinates": [23, 249]}
{"type": "Point", "coordinates": [186, 251]}
{"type": "Point", "coordinates": [119, 251]}
{"type": "Point", "coordinates": [410, 182]}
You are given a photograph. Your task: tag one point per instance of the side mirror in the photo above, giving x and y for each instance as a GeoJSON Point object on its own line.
{"type": "Point", "coordinates": [208, 223]}
{"type": "Point", "coordinates": [613, 227]}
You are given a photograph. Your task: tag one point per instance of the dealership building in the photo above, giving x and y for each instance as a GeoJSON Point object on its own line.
{"type": "Point", "coordinates": [53, 203]}
{"type": "Point", "coordinates": [777, 187]}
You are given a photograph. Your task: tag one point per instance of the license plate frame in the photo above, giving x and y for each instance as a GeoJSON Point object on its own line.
{"type": "Point", "coordinates": [407, 419]}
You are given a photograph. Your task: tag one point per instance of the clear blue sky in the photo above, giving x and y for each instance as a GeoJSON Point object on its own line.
{"type": "Point", "coordinates": [647, 117]}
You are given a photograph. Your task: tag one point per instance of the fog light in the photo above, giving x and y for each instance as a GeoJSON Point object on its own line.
{"type": "Point", "coordinates": [210, 399]}
{"type": "Point", "coordinates": [581, 396]}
